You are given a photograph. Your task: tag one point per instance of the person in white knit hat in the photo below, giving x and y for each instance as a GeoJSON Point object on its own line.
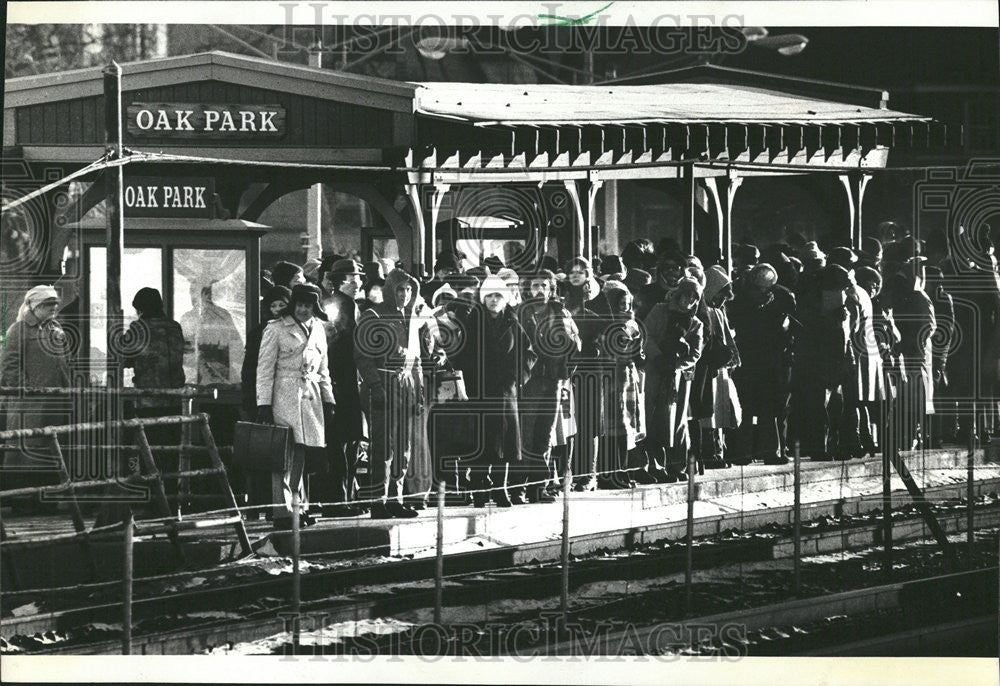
{"type": "Point", "coordinates": [495, 361]}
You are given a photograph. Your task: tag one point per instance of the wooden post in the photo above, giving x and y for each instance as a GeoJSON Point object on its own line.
{"type": "Point", "coordinates": [567, 484]}
{"type": "Point", "coordinates": [296, 575]}
{"type": "Point", "coordinates": [439, 562]}
{"type": "Point", "coordinates": [970, 510]}
{"type": "Point", "coordinates": [797, 533]}
{"type": "Point", "coordinates": [687, 208]}
{"type": "Point", "coordinates": [114, 191]}
{"type": "Point", "coordinates": [227, 490]}
{"type": "Point", "coordinates": [689, 556]}
{"type": "Point", "coordinates": [888, 447]}
{"type": "Point", "coordinates": [184, 458]}
{"type": "Point", "coordinates": [127, 563]}
{"type": "Point", "coordinates": [78, 524]}
{"type": "Point", "coordinates": [159, 494]}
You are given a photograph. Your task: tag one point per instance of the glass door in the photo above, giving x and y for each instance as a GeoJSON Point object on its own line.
{"type": "Point", "coordinates": [141, 268]}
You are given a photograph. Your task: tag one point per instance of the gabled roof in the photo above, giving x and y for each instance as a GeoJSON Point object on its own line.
{"type": "Point", "coordinates": [218, 66]}
{"type": "Point", "coordinates": [681, 102]}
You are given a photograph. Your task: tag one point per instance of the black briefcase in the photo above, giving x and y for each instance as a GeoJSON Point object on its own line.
{"type": "Point", "coordinates": [262, 447]}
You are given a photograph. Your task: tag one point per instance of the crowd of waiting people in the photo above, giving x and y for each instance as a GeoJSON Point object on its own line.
{"type": "Point", "coordinates": [628, 369]}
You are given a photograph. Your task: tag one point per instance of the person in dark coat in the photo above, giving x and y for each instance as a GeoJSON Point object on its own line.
{"type": "Point", "coordinates": [341, 284]}
{"type": "Point", "coordinates": [276, 299]}
{"type": "Point", "coordinates": [496, 360]}
{"type": "Point", "coordinates": [589, 308]}
{"type": "Point", "coordinates": [638, 254]}
{"type": "Point", "coordinates": [915, 318]}
{"type": "Point", "coordinates": [824, 361]}
{"type": "Point", "coordinates": [287, 274]}
{"type": "Point", "coordinates": [945, 422]}
{"type": "Point", "coordinates": [613, 268]}
{"type": "Point", "coordinates": [446, 265]}
{"type": "Point", "coordinates": [583, 288]}
{"type": "Point", "coordinates": [712, 382]}
{"type": "Point", "coordinates": [391, 342]}
{"type": "Point", "coordinates": [674, 337]}
{"type": "Point", "coordinates": [555, 338]}
{"type": "Point", "coordinates": [763, 328]}
{"type": "Point", "coordinates": [972, 363]}
{"type": "Point", "coordinates": [863, 390]}
{"type": "Point", "coordinates": [669, 270]}
{"type": "Point", "coordinates": [153, 347]}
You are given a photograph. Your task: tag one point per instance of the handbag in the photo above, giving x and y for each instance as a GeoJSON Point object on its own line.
{"type": "Point", "coordinates": [728, 410]}
{"type": "Point", "coordinates": [262, 447]}
{"type": "Point", "coordinates": [449, 385]}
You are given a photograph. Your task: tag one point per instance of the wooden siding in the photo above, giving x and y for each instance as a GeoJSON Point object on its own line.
{"type": "Point", "coordinates": [310, 121]}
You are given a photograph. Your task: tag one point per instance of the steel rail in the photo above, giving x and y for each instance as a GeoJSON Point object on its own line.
{"type": "Point", "coordinates": [323, 583]}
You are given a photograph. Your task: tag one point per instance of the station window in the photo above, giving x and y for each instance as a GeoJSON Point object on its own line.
{"type": "Point", "coordinates": [210, 304]}
{"type": "Point", "coordinates": [478, 250]}
{"type": "Point", "coordinates": [141, 268]}
{"type": "Point", "coordinates": [385, 249]}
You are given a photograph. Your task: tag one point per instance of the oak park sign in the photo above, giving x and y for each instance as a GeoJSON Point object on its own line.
{"type": "Point", "coordinates": [205, 121]}
{"type": "Point", "coordinates": [155, 196]}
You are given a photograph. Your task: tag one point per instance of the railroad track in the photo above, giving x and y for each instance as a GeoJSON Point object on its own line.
{"type": "Point", "coordinates": [952, 603]}
{"type": "Point", "coordinates": [508, 581]}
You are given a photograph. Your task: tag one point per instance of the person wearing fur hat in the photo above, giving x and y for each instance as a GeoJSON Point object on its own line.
{"type": "Point", "coordinates": [35, 354]}
{"type": "Point", "coordinates": [714, 403]}
{"type": "Point", "coordinates": [294, 388]}
{"type": "Point", "coordinates": [393, 340]}
{"type": "Point", "coordinates": [496, 360]}
{"type": "Point", "coordinates": [764, 330]}
{"type": "Point", "coordinates": [674, 339]}
{"type": "Point", "coordinates": [556, 339]}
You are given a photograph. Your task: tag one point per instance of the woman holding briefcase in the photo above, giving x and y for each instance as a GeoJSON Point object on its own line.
{"type": "Point", "coordinates": [294, 388]}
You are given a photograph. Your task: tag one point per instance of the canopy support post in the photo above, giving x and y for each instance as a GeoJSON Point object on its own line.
{"type": "Point", "coordinates": [723, 191]}
{"type": "Point", "coordinates": [854, 184]}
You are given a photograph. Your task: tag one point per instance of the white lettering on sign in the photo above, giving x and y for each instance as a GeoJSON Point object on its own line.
{"type": "Point", "coordinates": [184, 197]}
{"type": "Point", "coordinates": [267, 121]}
{"type": "Point", "coordinates": [183, 120]}
{"type": "Point", "coordinates": [207, 118]}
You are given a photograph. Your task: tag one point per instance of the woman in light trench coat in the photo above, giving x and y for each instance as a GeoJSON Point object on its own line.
{"type": "Point", "coordinates": [294, 389]}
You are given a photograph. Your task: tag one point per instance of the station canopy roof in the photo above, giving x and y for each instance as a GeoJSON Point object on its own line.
{"type": "Point", "coordinates": [527, 104]}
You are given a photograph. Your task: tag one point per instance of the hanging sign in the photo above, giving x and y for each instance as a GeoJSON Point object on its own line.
{"type": "Point", "coordinates": [203, 121]}
{"type": "Point", "coordinates": [167, 196]}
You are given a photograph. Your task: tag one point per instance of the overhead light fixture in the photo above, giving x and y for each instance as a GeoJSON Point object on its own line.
{"type": "Point", "coordinates": [436, 47]}
{"type": "Point", "coordinates": [785, 44]}
{"type": "Point", "coordinates": [753, 33]}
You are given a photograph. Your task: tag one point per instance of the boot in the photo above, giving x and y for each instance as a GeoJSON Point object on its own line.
{"type": "Point", "coordinates": [400, 511]}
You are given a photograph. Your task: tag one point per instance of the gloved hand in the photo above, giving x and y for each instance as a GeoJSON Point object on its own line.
{"type": "Point", "coordinates": [265, 415]}
{"type": "Point", "coordinates": [328, 409]}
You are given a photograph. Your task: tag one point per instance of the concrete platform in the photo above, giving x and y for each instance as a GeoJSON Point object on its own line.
{"type": "Point", "coordinates": [740, 498]}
